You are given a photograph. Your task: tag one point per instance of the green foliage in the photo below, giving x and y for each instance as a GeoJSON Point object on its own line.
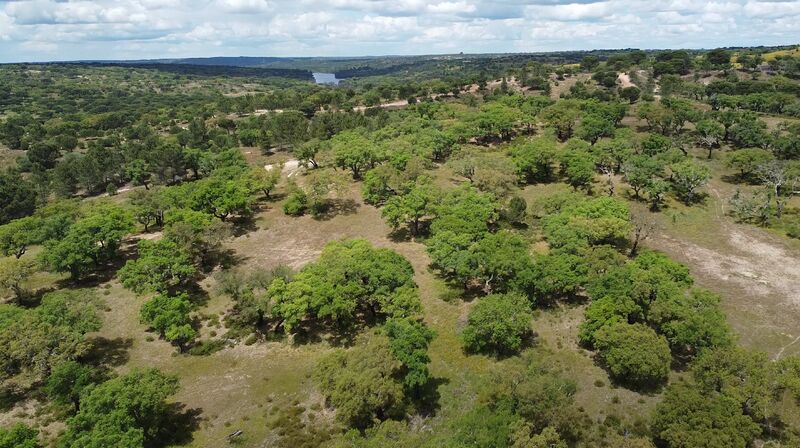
{"type": "Point", "coordinates": [466, 211]}
{"type": "Point", "coordinates": [631, 94]}
{"type": "Point", "coordinates": [408, 341]}
{"type": "Point", "coordinates": [634, 354]}
{"type": "Point", "coordinates": [161, 265]}
{"type": "Point", "coordinates": [90, 242]}
{"type": "Point", "coordinates": [534, 393]}
{"type": "Point", "coordinates": [592, 222]}
{"type": "Point", "coordinates": [745, 376]}
{"type": "Point", "coordinates": [691, 322]}
{"type": "Point", "coordinates": [19, 436]}
{"type": "Point", "coordinates": [747, 161]}
{"type": "Point", "coordinates": [130, 411]}
{"type": "Point", "coordinates": [296, 204]}
{"type": "Point", "coordinates": [361, 383]}
{"type": "Point", "coordinates": [534, 159]}
{"type": "Point", "coordinates": [68, 381]}
{"type": "Point", "coordinates": [350, 279]}
{"type": "Point", "coordinates": [517, 210]}
{"type": "Point", "coordinates": [355, 151]}
{"type": "Point", "coordinates": [687, 178]}
{"type": "Point", "coordinates": [558, 275]}
{"type": "Point", "coordinates": [37, 340]}
{"type": "Point", "coordinates": [688, 418]}
{"type": "Point", "coordinates": [17, 197]}
{"type": "Point", "coordinates": [498, 323]}
{"type": "Point", "coordinates": [411, 207]}
{"type": "Point", "coordinates": [14, 272]}
{"type": "Point", "coordinates": [166, 314]}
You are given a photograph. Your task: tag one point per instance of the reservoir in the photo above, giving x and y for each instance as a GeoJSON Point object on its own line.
{"type": "Point", "coordinates": [326, 78]}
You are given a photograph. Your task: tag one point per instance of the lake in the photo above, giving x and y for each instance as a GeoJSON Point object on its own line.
{"type": "Point", "coordinates": [326, 78]}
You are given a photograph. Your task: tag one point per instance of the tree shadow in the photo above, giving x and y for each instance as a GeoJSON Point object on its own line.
{"type": "Point", "coordinates": [336, 207]}
{"type": "Point", "coordinates": [180, 424]}
{"type": "Point", "coordinates": [426, 399]}
{"type": "Point", "coordinates": [108, 352]}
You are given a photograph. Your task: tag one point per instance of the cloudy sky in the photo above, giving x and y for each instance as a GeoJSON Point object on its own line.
{"type": "Point", "coordinates": [41, 30]}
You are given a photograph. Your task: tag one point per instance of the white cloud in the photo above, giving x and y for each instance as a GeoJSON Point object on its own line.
{"type": "Point", "coordinates": [96, 29]}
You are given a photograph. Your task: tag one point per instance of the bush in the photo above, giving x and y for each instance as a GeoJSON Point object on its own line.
{"type": "Point", "coordinates": [498, 323]}
{"type": "Point", "coordinates": [205, 348]}
{"type": "Point", "coordinates": [634, 353]}
{"type": "Point", "coordinates": [296, 204]}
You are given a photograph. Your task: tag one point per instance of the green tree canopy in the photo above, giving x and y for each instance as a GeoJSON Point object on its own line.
{"type": "Point", "coordinates": [350, 279]}
{"type": "Point", "coordinates": [498, 323]}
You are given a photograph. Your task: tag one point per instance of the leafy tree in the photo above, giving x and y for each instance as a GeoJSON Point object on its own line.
{"type": "Point", "coordinates": [634, 354]}
{"type": "Point", "coordinates": [129, 411]}
{"type": "Point", "coordinates": [68, 381]}
{"type": "Point", "coordinates": [408, 341]}
{"type": "Point", "coordinates": [747, 161]}
{"type": "Point", "coordinates": [498, 323]}
{"type": "Point", "coordinates": [558, 275]}
{"type": "Point", "coordinates": [525, 438]}
{"type": "Point", "coordinates": [687, 177]}
{"type": "Point", "coordinates": [308, 152]}
{"type": "Point", "coordinates": [16, 236]}
{"type": "Point", "coordinates": [350, 279]}
{"type": "Point", "coordinates": [221, 197]}
{"type": "Point", "coordinates": [14, 273]}
{"type": "Point", "coordinates": [534, 159]}
{"type": "Point", "coordinates": [464, 210]}
{"type": "Point", "coordinates": [199, 234]}
{"type": "Point", "coordinates": [749, 132]}
{"type": "Point", "coordinates": [719, 57]}
{"type": "Point", "coordinates": [263, 180]}
{"type": "Point", "coordinates": [362, 383]}
{"type": "Point", "coordinates": [354, 151]}
{"type": "Point", "coordinates": [691, 322]}
{"type": "Point", "coordinates": [161, 265]}
{"type": "Point", "coordinates": [631, 94]}
{"type": "Point", "coordinates": [640, 172]}
{"type": "Point", "coordinates": [89, 242]}
{"type": "Point", "coordinates": [164, 313]}
{"type": "Point", "coordinates": [687, 417]}
{"type": "Point", "coordinates": [499, 262]}
{"type": "Point", "coordinates": [296, 203]}
{"type": "Point", "coordinates": [517, 210]}
{"type": "Point", "coordinates": [743, 375]}
{"type": "Point", "coordinates": [710, 134]}
{"type": "Point", "coordinates": [579, 169]}
{"type": "Point", "coordinates": [535, 393]}
{"type": "Point", "coordinates": [562, 116]}
{"type": "Point", "coordinates": [148, 207]}
{"type": "Point", "coordinates": [580, 224]}
{"type": "Point", "coordinates": [17, 197]}
{"type": "Point", "coordinates": [39, 339]}
{"type": "Point", "coordinates": [593, 126]}
{"type": "Point", "coordinates": [411, 208]}
{"type": "Point", "coordinates": [496, 119]}
{"type": "Point", "coordinates": [19, 436]}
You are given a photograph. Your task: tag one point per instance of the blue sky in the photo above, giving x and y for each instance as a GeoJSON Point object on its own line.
{"type": "Point", "coordinates": [42, 30]}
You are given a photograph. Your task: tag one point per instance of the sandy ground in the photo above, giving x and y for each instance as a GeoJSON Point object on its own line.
{"type": "Point", "coordinates": [756, 273]}
{"type": "Point", "coordinates": [290, 168]}
{"type": "Point", "coordinates": [625, 80]}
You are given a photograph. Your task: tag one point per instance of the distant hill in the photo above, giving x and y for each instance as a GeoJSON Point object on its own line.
{"type": "Point", "coordinates": [184, 67]}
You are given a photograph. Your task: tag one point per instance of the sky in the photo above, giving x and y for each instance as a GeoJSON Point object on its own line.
{"type": "Point", "coordinates": [47, 30]}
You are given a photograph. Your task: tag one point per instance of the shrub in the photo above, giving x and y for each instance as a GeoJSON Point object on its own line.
{"type": "Point", "coordinates": [498, 323]}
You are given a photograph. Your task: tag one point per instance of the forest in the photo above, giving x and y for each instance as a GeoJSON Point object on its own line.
{"type": "Point", "coordinates": [577, 249]}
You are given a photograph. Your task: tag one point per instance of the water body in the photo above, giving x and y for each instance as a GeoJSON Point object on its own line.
{"type": "Point", "coordinates": [326, 78]}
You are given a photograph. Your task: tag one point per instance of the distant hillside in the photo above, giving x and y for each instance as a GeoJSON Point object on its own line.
{"type": "Point", "coordinates": [184, 67]}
